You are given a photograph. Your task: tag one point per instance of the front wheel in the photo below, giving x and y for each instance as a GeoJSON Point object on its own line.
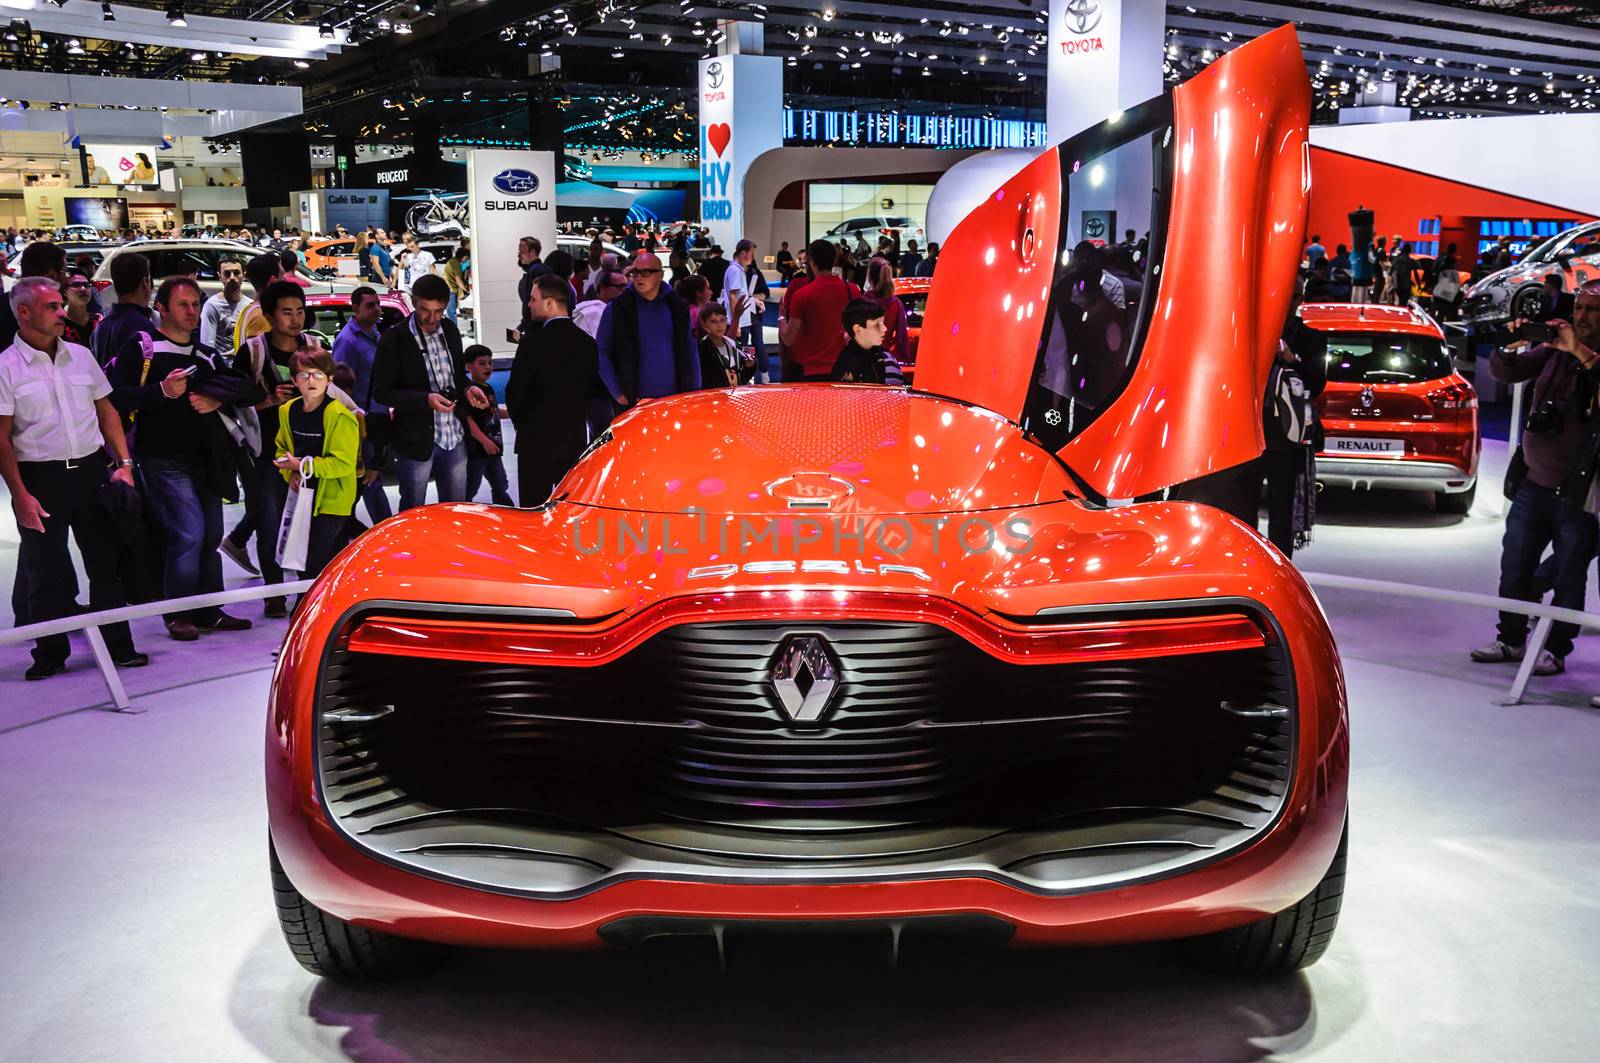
{"type": "Point", "coordinates": [328, 946]}
{"type": "Point", "coordinates": [1458, 503]}
{"type": "Point", "coordinates": [1294, 938]}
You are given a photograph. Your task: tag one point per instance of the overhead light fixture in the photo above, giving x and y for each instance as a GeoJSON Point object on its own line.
{"type": "Point", "coordinates": [106, 14]}
{"type": "Point", "coordinates": [301, 64]}
{"type": "Point", "coordinates": [325, 29]}
{"type": "Point", "coordinates": [175, 13]}
{"type": "Point", "coordinates": [197, 57]}
{"type": "Point", "coordinates": [402, 28]}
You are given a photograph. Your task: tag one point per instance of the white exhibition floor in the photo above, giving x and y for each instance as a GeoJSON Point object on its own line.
{"type": "Point", "coordinates": [136, 921]}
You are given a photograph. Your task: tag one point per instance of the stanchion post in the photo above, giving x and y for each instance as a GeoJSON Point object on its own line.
{"type": "Point", "coordinates": [1530, 656]}
{"type": "Point", "coordinates": [1514, 433]}
{"type": "Point", "coordinates": [108, 668]}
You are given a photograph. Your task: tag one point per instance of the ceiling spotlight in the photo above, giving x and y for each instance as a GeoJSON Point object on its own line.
{"type": "Point", "coordinates": [325, 28]}
{"type": "Point", "coordinates": [616, 53]}
{"type": "Point", "coordinates": [74, 46]}
{"type": "Point", "coordinates": [197, 57]}
{"type": "Point", "coordinates": [827, 14]}
{"type": "Point", "coordinates": [402, 28]}
{"type": "Point", "coordinates": [175, 13]}
{"type": "Point", "coordinates": [301, 64]}
{"type": "Point", "coordinates": [106, 14]}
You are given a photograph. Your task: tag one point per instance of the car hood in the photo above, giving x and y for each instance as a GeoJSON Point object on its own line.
{"type": "Point", "coordinates": [1226, 231]}
{"type": "Point", "coordinates": [593, 563]}
{"type": "Point", "coordinates": [812, 448]}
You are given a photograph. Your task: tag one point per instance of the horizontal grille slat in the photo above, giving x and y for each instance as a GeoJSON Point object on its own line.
{"type": "Point", "coordinates": [928, 744]}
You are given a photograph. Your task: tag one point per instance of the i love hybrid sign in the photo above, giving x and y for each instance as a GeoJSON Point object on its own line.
{"type": "Point", "coordinates": [741, 116]}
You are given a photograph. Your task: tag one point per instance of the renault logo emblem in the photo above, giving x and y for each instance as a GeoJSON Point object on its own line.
{"type": "Point", "coordinates": [1366, 398]}
{"type": "Point", "coordinates": [804, 677]}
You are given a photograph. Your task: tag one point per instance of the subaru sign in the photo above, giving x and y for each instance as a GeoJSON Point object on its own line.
{"type": "Point", "coordinates": [516, 182]}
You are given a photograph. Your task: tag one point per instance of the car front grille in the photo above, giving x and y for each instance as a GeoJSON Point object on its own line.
{"type": "Point", "coordinates": [678, 759]}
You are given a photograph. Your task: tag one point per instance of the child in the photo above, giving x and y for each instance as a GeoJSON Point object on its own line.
{"type": "Point", "coordinates": [317, 428]}
{"type": "Point", "coordinates": [863, 360]}
{"type": "Point", "coordinates": [719, 356]}
{"type": "Point", "coordinates": [483, 433]}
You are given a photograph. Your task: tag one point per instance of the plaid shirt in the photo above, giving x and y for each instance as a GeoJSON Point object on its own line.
{"type": "Point", "coordinates": [447, 429]}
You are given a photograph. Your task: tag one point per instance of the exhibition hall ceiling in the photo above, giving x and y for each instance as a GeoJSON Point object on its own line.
{"type": "Point", "coordinates": [1444, 57]}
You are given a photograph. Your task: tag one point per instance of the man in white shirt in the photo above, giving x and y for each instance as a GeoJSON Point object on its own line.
{"type": "Point", "coordinates": [420, 264]}
{"type": "Point", "coordinates": [737, 297]}
{"type": "Point", "coordinates": [55, 415]}
{"type": "Point", "coordinates": [222, 309]}
{"type": "Point", "coordinates": [608, 284]}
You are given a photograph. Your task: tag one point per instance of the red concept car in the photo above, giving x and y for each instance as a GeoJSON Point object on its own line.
{"type": "Point", "coordinates": [1395, 414]}
{"type": "Point", "coordinates": [913, 295]}
{"type": "Point", "coordinates": [895, 660]}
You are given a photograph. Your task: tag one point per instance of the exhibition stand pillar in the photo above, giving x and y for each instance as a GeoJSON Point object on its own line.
{"type": "Point", "coordinates": [741, 117]}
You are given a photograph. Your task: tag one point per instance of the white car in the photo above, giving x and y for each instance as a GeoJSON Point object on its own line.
{"type": "Point", "coordinates": [202, 259]}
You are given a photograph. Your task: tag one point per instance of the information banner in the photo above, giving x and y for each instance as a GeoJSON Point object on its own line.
{"type": "Point", "coordinates": [741, 117]}
{"type": "Point", "coordinates": [511, 194]}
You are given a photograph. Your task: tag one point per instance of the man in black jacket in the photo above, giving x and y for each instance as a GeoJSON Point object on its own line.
{"type": "Point", "coordinates": [553, 379]}
{"type": "Point", "coordinates": [715, 270]}
{"type": "Point", "coordinates": [646, 347]}
{"type": "Point", "coordinates": [130, 279]}
{"type": "Point", "coordinates": [165, 383]}
{"type": "Point", "coordinates": [528, 251]}
{"type": "Point", "coordinates": [420, 373]}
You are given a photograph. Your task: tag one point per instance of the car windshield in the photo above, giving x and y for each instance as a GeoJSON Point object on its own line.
{"type": "Point", "coordinates": [1582, 235]}
{"type": "Point", "coordinates": [915, 303]}
{"type": "Point", "coordinates": [1373, 358]}
{"type": "Point", "coordinates": [899, 223]}
{"type": "Point", "coordinates": [1116, 175]}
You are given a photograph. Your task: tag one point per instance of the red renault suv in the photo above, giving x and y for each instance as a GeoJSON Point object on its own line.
{"type": "Point", "coordinates": [1395, 414]}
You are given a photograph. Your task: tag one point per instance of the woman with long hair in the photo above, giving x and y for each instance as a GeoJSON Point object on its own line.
{"type": "Point", "coordinates": [880, 289]}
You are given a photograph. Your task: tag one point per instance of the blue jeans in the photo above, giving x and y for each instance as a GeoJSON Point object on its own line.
{"type": "Point", "coordinates": [495, 469]}
{"type": "Point", "coordinates": [450, 308]}
{"type": "Point", "coordinates": [191, 525]}
{"type": "Point", "coordinates": [272, 492]}
{"type": "Point", "coordinates": [446, 468]}
{"type": "Point", "coordinates": [1538, 519]}
{"type": "Point", "coordinates": [378, 508]}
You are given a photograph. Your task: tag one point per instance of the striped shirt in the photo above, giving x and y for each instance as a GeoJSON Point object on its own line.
{"type": "Point", "coordinates": [447, 429]}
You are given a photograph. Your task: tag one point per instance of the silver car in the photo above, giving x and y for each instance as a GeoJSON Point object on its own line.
{"type": "Point", "coordinates": [202, 259]}
{"type": "Point", "coordinates": [1516, 292]}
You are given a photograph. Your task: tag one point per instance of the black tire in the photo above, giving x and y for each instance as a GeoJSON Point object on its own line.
{"type": "Point", "coordinates": [1528, 302]}
{"type": "Point", "coordinates": [1288, 941]}
{"type": "Point", "coordinates": [1458, 503]}
{"type": "Point", "coordinates": [328, 946]}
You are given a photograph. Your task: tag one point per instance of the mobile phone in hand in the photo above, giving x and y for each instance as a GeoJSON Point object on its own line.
{"type": "Point", "coordinates": [1536, 332]}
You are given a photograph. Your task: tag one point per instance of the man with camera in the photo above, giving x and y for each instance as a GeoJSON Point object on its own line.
{"type": "Point", "coordinates": [1550, 476]}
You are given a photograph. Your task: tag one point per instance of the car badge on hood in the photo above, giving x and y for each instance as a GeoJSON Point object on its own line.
{"type": "Point", "coordinates": [804, 677]}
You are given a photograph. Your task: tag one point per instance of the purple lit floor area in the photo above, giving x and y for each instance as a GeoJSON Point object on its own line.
{"type": "Point", "coordinates": [138, 924]}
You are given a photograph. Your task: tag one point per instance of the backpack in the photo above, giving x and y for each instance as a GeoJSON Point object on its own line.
{"type": "Point", "coordinates": [1289, 404]}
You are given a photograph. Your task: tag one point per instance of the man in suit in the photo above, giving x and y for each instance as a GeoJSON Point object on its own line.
{"type": "Point", "coordinates": [646, 347]}
{"type": "Point", "coordinates": [554, 378]}
{"type": "Point", "coordinates": [420, 373]}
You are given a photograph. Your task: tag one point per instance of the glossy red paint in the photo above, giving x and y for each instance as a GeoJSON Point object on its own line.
{"type": "Point", "coordinates": [685, 514]}
{"type": "Point", "coordinates": [1236, 224]}
{"type": "Point", "coordinates": [1437, 420]}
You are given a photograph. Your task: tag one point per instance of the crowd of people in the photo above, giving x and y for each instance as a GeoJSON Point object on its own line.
{"type": "Point", "coordinates": [128, 428]}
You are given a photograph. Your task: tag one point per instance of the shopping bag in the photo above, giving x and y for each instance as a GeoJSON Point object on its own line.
{"type": "Point", "coordinates": [294, 533]}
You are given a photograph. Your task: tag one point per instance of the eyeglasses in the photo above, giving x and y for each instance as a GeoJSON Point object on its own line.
{"type": "Point", "coordinates": [311, 374]}
{"type": "Point", "coordinates": [643, 272]}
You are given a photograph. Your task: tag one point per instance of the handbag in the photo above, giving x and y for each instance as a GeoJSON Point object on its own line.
{"type": "Point", "coordinates": [1516, 472]}
{"type": "Point", "coordinates": [294, 532]}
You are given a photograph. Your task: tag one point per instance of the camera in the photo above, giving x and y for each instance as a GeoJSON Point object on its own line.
{"type": "Point", "coordinates": [1547, 418]}
{"type": "Point", "coordinates": [1538, 307]}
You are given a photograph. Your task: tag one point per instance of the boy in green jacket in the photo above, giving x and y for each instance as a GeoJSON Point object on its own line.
{"type": "Point", "coordinates": [320, 439]}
